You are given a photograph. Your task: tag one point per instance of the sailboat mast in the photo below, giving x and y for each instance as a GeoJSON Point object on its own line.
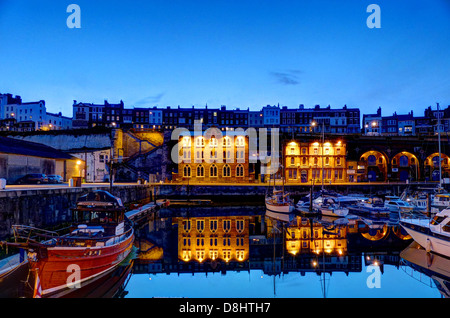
{"type": "Point", "coordinates": [439, 142]}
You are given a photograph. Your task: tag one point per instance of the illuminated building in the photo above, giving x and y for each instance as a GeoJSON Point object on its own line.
{"type": "Point", "coordinates": [310, 161]}
{"type": "Point", "coordinates": [215, 158]}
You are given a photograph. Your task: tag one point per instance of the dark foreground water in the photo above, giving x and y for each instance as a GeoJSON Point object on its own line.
{"type": "Point", "coordinates": [231, 252]}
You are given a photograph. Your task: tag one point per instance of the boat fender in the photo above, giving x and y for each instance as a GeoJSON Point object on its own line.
{"type": "Point", "coordinates": [429, 247]}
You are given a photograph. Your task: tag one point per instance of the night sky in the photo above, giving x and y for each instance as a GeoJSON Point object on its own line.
{"type": "Point", "coordinates": [244, 54]}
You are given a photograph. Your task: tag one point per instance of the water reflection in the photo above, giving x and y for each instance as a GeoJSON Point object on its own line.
{"type": "Point", "coordinates": [202, 241]}
{"type": "Point", "coordinates": [209, 240]}
{"type": "Point", "coordinates": [431, 269]}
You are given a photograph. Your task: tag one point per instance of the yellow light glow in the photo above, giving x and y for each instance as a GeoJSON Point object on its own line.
{"type": "Point", "coordinates": [315, 144]}
{"type": "Point", "coordinates": [78, 162]}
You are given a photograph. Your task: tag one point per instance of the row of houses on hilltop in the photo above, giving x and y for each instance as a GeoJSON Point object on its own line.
{"type": "Point", "coordinates": [16, 115]}
{"type": "Point", "coordinates": [29, 116]}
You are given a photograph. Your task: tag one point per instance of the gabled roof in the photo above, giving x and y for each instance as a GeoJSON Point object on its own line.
{"type": "Point", "coordinates": [26, 148]}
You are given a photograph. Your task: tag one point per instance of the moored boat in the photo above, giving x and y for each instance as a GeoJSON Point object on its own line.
{"type": "Point", "coordinates": [100, 238]}
{"type": "Point", "coordinates": [395, 204]}
{"type": "Point", "coordinates": [279, 202]}
{"type": "Point", "coordinates": [330, 206]}
{"type": "Point", "coordinates": [441, 201]}
{"type": "Point", "coordinates": [418, 199]}
{"type": "Point", "coordinates": [433, 235]}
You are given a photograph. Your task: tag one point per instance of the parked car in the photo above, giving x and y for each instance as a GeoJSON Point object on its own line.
{"type": "Point", "coordinates": [54, 178]}
{"type": "Point", "coordinates": [36, 178]}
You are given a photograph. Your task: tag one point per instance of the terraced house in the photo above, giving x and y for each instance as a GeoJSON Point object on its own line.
{"type": "Point", "coordinates": [213, 158]}
{"type": "Point", "coordinates": [312, 161]}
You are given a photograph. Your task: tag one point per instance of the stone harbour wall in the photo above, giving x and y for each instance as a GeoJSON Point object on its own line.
{"type": "Point", "coordinates": [48, 207]}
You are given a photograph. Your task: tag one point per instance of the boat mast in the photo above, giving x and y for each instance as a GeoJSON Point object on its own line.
{"type": "Point", "coordinates": [439, 142]}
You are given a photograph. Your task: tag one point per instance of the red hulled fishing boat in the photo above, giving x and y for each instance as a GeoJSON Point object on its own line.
{"type": "Point", "coordinates": [100, 238]}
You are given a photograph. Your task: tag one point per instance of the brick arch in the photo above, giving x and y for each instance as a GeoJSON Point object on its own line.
{"type": "Point", "coordinates": [431, 167]}
{"type": "Point", "coordinates": [405, 165]}
{"type": "Point", "coordinates": [376, 165]}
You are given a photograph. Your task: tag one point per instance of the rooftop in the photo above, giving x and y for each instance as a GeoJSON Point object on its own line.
{"type": "Point", "coordinates": [26, 148]}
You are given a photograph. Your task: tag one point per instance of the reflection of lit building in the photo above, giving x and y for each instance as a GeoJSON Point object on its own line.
{"type": "Point", "coordinates": [214, 158]}
{"type": "Point", "coordinates": [223, 238]}
{"type": "Point", "coordinates": [304, 161]}
{"type": "Point", "coordinates": [307, 238]}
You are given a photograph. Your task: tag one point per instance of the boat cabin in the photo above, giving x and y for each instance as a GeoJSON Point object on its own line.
{"type": "Point", "coordinates": [441, 199]}
{"type": "Point", "coordinates": [98, 213]}
{"type": "Point", "coordinates": [441, 222]}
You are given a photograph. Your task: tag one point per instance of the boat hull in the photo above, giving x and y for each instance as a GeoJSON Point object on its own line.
{"type": "Point", "coordinates": [65, 268]}
{"type": "Point", "coordinates": [280, 208]}
{"type": "Point", "coordinates": [430, 241]}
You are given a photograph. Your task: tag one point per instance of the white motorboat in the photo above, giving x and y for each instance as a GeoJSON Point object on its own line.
{"type": "Point", "coordinates": [418, 199]}
{"type": "Point", "coordinates": [10, 264]}
{"type": "Point", "coordinates": [330, 206]}
{"type": "Point", "coordinates": [434, 235]}
{"type": "Point", "coordinates": [441, 201]}
{"type": "Point", "coordinates": [395, 204]}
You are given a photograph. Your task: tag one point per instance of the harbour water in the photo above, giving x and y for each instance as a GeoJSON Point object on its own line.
{"type": "Point", "coordinates": [245, 252]}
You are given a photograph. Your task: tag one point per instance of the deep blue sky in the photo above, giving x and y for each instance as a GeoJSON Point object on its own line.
{"type": "Point", "coordinates": [246, 53]}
